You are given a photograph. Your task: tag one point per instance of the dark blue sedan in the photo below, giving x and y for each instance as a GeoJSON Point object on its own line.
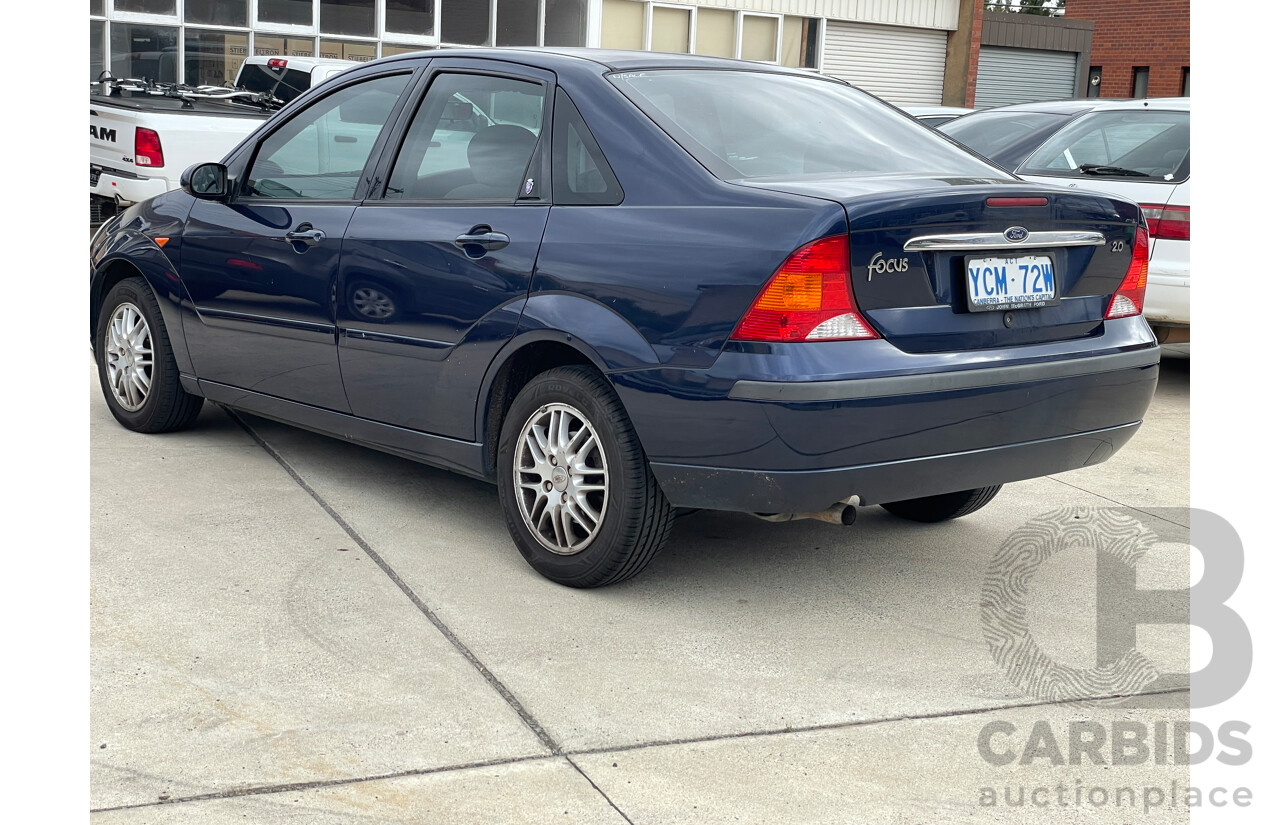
{"type": "Point", "coordinates": [623, 285]}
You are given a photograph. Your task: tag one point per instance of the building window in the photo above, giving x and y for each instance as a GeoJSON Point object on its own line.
{"type": "Point", "coordinates": [347, 17]}
{"type": "Point", "coordinates": [349, 50]}
{"type": "Point", "coordinates": [168, 7]}
{"type": "Point", "coordinates": [389, 49]}
{"type": "Point", "coordinates": [517, 22]}
{"type": "Point", "coordinates": [217, 12]}
{"type": "Point", "coordinates": [465, 22]}
{"type": "Point", "coordinates": [286, 12]}
{"type": "Point", "coordinates": [566, 23]}
{"type": "Point", "coordinates": [411, 17]}
{"type": "Point", "coordinates": [759, 38]}
{"type": "Point", "coordinates": [140, 51]}
{"type": "Point", "coordinates": [669, 29]}
{"type": "Point", "coordinates": [97, 7]}
{"type": "Point", "coordinates": [96, 33]}
{"type": "Point", "coordinates": [622, 25]}
{"type": "Point", "coordinates": [715, 32]}
{"type": "Point", "coordinates": [1095, 82]}
{"type": "Point", "coordinates": [799, 42]}
{"type": "Point", "coordinates": [281, 45]}
{"type": "Point", "coordinates": [213, 58]}
{"type": "Point", "coordinates": [1140, 76]}
{"type": "Point", "coordinates": [1186, 81]}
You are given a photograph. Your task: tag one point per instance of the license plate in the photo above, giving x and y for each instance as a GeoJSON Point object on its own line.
{"type": "Point", "coordinates": [1024, 282]}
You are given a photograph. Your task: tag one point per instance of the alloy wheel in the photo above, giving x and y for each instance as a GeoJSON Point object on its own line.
{"type": "Point", "coordinates": [561, 479]}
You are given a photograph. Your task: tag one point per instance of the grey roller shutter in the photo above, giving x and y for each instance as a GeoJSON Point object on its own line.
{"type": "Point", "coordinates": [1008, 76]}
{"type": "Point", "coordinates": [901, 65]}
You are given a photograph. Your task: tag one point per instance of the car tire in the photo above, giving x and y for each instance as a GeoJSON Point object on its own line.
{"type": "Point", "coordinates": [136, 368]}
{"type": "Point", "coordinates": [942, 507]}
{"type": "Point", "coordinates": [548, 484]}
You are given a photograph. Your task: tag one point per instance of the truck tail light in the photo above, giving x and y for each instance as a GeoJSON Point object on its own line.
{"type": "Point", "coordinates": [1169, 222]}
{"type": "Point", "coordinates": [277, 63]}
{"type": "Point", "coordinates": [146, 148]}
{"type": "Point", "coordinates": [809, 298]}
{"type": "Point", "coordinates": [1133, 289]}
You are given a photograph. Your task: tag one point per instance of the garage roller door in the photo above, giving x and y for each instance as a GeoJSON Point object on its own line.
{"type": "Point", "coordinates": [901, 65]}
{"type": "Point", "coordinates": [1008, 76]}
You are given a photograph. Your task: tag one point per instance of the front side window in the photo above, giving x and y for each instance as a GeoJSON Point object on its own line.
{"type": "Point", "coordinates": [322, 152]}
{"type": "Point", "coordinates": [472, 139]}
{"type": "Point", "coordinates": [1139, 144]}
{"type": "Point", "coordinates": [744, 125]}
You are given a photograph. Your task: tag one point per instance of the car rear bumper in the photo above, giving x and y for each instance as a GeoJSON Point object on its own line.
{"type": "Point", "coordinates": [1168, 298]}
{"type": "Point", "coordinates": [815, 431]}
{"type": "Point", "coordinates": [798, 491]}
{"type": "Point", "coordinates": [110, 183]}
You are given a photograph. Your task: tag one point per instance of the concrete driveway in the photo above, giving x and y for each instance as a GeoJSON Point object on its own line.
{"type": "Point", "coordinates": [289, 628]}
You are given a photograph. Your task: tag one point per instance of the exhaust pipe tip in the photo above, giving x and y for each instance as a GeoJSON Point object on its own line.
{"type": "Point", "coordinates": [841, 513]}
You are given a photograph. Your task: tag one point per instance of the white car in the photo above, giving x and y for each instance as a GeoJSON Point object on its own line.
{"type": "Point", "coordinates": [1138, 149]}
{"type": "Point", "coordinates": [935, 115]}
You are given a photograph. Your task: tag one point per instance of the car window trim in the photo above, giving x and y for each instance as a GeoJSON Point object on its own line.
{"type": "Point", "coordinates": [246, 160]}
{"type": "Point", "coordinates": [377, 194]}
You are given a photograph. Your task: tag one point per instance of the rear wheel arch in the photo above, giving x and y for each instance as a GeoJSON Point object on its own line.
{"type": "Point", "coordinates": [523, 360]}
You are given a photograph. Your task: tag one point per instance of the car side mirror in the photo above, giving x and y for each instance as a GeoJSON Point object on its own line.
{"type": "Point", "coordinates": [207, 181]}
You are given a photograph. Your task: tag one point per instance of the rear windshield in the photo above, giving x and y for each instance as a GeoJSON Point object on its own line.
{"type": "Point", "coordinates": [1137, 144]}
{"type": "Point", "coordinates": [745, 125]}
{"type": "Point", "coordinates": [1007, 137]}
{"type": "Point", "coordinates": [285, 85]}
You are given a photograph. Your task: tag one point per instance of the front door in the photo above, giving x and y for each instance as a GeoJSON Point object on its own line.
{"type": "Point", "coordinates": [262, 267]}
{"type": "Point", "coordinates": [435, 271]}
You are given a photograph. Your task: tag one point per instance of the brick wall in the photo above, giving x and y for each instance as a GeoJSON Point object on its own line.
{"type": "Point", "coordinates": [1152, 33]}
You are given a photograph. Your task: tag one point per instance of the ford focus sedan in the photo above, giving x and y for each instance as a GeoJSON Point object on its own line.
{"type": "Point", "coordinates": [623, 285]}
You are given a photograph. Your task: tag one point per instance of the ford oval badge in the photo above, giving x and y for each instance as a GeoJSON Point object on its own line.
{"type": "Point", "coordinates": [1016, 234]}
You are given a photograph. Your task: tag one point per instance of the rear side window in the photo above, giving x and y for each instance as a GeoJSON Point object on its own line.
{"type": "Point", "coordinates": [744, 125]}
{"type": "Point", "coordinates": [580, 174]}
{"type": "Point", "coordinates": [1136, 145]}
{"type": "Point", "coordinates": [473, 139]}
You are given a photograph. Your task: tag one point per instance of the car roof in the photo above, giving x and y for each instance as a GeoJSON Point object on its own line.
{"type": "Point", "coordinates": [611, 59]}
{"type": "Point", "coordinates": [1071, 107]}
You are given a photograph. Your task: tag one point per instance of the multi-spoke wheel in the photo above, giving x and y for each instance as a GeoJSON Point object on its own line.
{"type": "Point", "coordinates": [563, 479]}
{"type": "Point", "coordinates": [135, 362]}
{"type": "Point", "coordinates": [576, 490]}
{"type": "Point", "coordinates": [128, 350]}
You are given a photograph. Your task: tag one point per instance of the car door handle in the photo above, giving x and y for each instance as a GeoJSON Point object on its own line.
{"type": "Point", "coordinates": [305, 233]}
{"type": "Point", "coordinates": [487, 239]}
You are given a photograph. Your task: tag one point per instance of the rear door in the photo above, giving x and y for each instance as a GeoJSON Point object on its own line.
{"type": "Point", "coordinates": [437, 265]}
{"type": "Point", "coordinates": [262, 268]}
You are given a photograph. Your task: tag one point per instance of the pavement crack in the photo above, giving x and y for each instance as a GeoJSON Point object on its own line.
{"type": "Point", "coordinates": [604, 795]}
{"type": "Point", "coordinates": [861, 723]}
{"type": "Point", "coordinates": [259, 790]}
{"type": "Point", "coordinates": [1118, 503]}
{"type": "Point", "coordinates": [494, 682]}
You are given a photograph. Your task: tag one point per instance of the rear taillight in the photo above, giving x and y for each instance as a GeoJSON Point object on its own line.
{"type": "Point", "coordinates": [146, 148]}
{"type": "Point", "coordinates": [809, 298]}
{"type": "Point", "coordinates": [1133, 289]}
{"type": "Point", "coordinates": [1169, 222]}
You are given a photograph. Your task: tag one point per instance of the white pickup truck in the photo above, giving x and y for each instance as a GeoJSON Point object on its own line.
{"type": "Point", "coordinates": [143, 135]}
